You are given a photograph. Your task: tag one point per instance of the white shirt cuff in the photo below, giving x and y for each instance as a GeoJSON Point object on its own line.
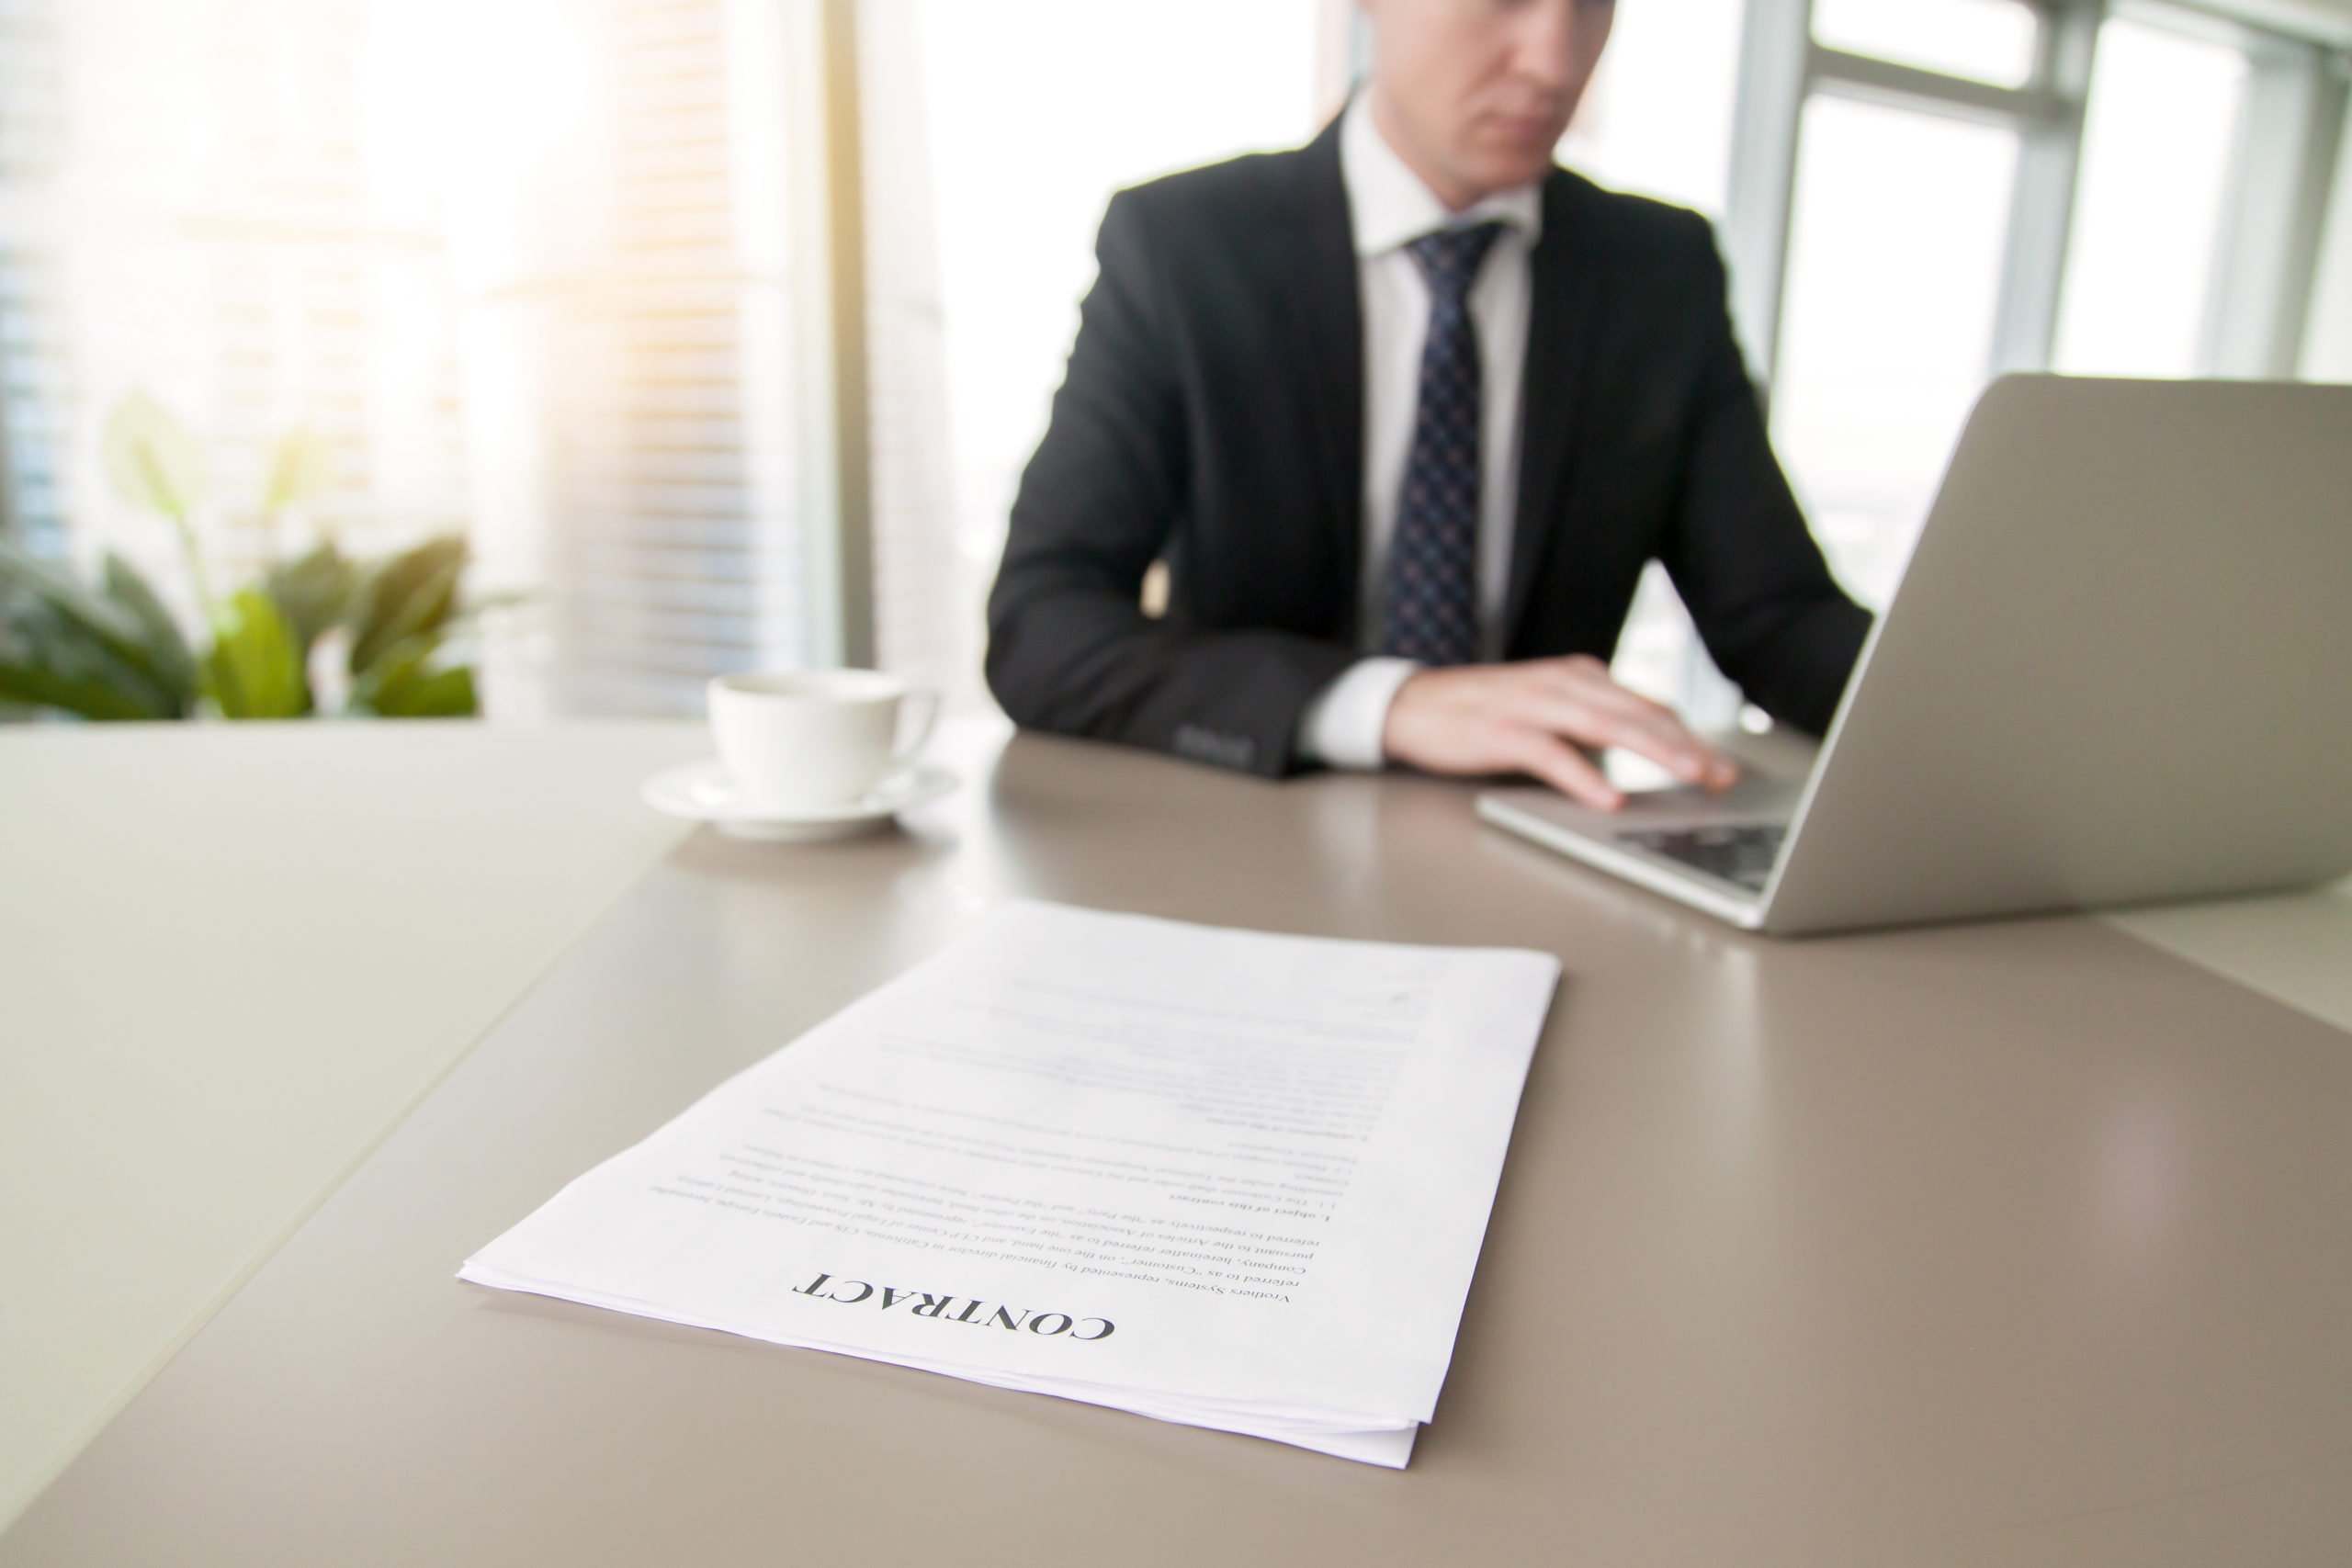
{"type": "Point", "coordinates": [1342, 727]}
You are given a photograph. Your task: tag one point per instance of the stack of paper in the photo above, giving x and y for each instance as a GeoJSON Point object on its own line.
{"type": "Point", "coordinates": [1214, 1176]}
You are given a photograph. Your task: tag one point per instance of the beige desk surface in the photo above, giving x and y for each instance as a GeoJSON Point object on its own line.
{"type": "Point", "coordinates": [230, 957]}
{"type": "Point", "coordinates": [2018, 1242]}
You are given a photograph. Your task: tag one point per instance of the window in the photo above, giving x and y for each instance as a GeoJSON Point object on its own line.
{"type": "Point", "coordinates": [1983, 40]}
{"type": "Point", "coordinates": [1927, 192]}
{"type": "Point", "coordinates": [525, 266]}
{"type": "Point", "coordinates": [647, 328]}
{"type": "Point", "coordinates": [2164, 112]}
{"type": "Point", "coordinates": [1656, 117]}
{"type": "Point", "coordinates": [1016, 192]}
{"type": "Point", "coordinates": [2327, 350]}
{"type": "Point", "coordinates": [201, 200]}
{"type": "Point", "coordinates": [1895, 279]}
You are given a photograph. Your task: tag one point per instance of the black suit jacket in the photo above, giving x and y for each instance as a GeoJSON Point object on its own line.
{"type": "Point", "coordinates": [1212, 415]}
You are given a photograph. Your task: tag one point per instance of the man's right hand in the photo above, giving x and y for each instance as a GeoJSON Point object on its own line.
{"type": "Point", "coordinates": [1531, 718]}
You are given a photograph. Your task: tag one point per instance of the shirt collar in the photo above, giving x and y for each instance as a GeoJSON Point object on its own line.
{"type": "Point", "coordinates": [1388, 207]}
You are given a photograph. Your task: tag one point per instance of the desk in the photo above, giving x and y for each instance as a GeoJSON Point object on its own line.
{"type": "Point", "coordinates": [2015, 1243]}
{"type": "Point", "coordinates": [231, 958]}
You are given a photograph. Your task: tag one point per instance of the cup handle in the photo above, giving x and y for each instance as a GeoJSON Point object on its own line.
{"type": "Point", "coordinates": [911, 741]}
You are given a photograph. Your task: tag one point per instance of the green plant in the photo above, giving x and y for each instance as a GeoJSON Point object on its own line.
{"type": "Point", "coordinates": [110, 650]}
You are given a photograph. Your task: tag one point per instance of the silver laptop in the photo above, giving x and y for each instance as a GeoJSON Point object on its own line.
{"type": "Point", "coordinates": [2119, 669]}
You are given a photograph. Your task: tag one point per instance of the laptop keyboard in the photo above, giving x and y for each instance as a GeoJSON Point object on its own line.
{"type": "Point", "coordinates": [1741, 855]}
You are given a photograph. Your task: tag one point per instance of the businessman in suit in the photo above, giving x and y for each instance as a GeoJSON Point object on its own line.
{"type": "Point", "coordinates": [1405, 412]}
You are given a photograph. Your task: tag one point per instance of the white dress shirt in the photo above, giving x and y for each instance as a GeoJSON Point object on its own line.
{"type": "Point", "coordinates": [1388, 207]}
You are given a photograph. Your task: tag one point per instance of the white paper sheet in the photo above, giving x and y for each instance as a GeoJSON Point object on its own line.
{"type": "Point", "coordinates": [1214, 1176]}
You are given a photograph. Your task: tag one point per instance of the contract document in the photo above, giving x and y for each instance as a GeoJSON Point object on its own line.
{"type": "Point", "coordinates": [1214, 1176]}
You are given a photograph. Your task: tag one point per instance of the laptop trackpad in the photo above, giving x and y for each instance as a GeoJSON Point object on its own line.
{"type": "Point", "coordinates": [1755, 798]}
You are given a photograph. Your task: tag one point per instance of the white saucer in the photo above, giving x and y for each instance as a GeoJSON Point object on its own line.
{"type": "Point", "coordinates": [705, 793]}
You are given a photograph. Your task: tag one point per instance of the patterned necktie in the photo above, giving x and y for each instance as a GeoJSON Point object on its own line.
{"type": "Point", "coordinates": [1432, 556]}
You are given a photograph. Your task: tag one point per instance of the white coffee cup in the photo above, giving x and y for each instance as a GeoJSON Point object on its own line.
{"type": "Point", "coordinates": [809, 740]}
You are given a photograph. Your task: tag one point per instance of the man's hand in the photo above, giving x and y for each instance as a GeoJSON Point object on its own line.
{"type": "Point", "coordinates": [1531, 718]}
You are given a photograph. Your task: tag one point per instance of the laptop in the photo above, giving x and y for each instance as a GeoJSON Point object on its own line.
{"type": "Point", "coordinates": [2117, 671]}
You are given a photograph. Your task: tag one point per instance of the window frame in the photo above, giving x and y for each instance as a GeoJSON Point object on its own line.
{"type": "Point", "coordinates": [2281, 169]}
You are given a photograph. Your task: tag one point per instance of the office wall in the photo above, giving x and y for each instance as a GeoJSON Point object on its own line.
{"type": "Point", "coordinates": [2327, 346]}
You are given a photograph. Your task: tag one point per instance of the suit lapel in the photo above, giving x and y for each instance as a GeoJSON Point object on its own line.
{"type": "Point", "coordinates": [1325, 319]}
{"type": "Point", "coordinates": [1564, 273]}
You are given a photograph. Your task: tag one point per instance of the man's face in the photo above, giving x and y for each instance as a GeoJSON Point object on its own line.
{"type": "Point", "coordinates": [1473, 93]}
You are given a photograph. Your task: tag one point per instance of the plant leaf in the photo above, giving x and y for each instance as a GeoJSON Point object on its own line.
{"type": "Point", "coordinates": [49, 621]}
{"type": "Point", "coordinates": [255, 669]}
{"type": "Point", "coordinates": [49, 659]}
{"type": "Point", "coordinates": [158, 633]}
{"type": "Point", "coordinates": [403, 684]}
{"type": "Point", "coordinates": [154, 461]}
{"type": "Point", "coordinates": [312, 593]}
{"type": "Point", "coordinates": [409, 595]}
{"type": "Point", "coordinates": [433, 693]}
{"type": "Point", "coordinates": [92, 693]}
{"type": "Point", "coordinates": [302, 466]}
